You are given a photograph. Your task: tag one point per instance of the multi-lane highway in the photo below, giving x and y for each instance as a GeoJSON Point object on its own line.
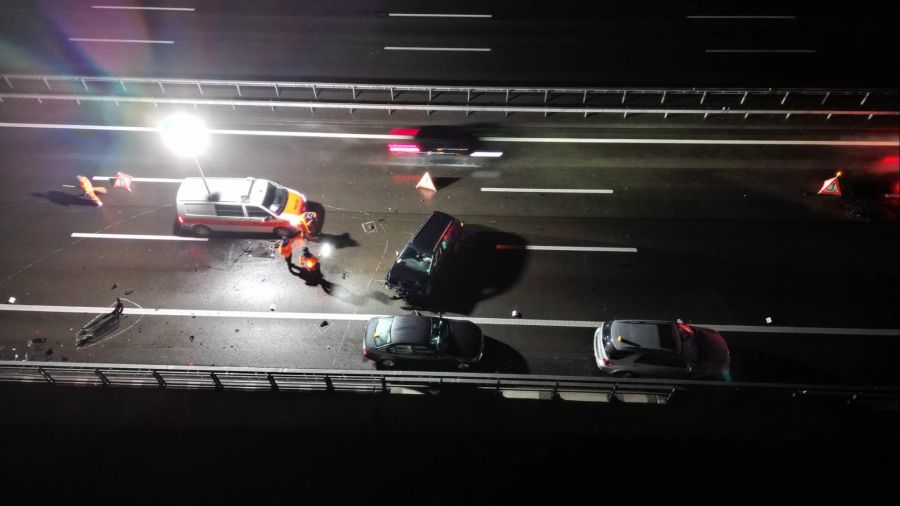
{"type": "Point", "coordinates": [712, 229]}
{"type": "Point", "coordinates": [759, 44]}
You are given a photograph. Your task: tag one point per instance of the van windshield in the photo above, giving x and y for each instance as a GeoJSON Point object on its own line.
{"type": "Point", "coordinates": [275, 198]}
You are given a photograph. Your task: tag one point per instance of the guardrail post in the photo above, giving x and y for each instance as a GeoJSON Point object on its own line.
{"type": "Point", "coordinates": [215, 379]}
{"type": "Point", "coordinates": [554, 395]}
{"type": "Point", "coordinates": [353, 90]}
{"type": "Point", "coordinates": [827, 94]}
{"type": "Point", "coordinates": [124, 89]}
{"type": "Point", "coordinates": [671, 393]}
{"type": "Point", "coordinates": [870, 116]}
{"type": "Point", "coordinates": [159, 379]}
{"type": "Point", "coordinates": [624, 94]}
{"type": "Point", "coordinates": [663, 100]}
{"type": "Point", "coordinates": [161, 87]}
{"type": "Point", "coordinates": [237, 86]}
{"type": "Point", "coordinates": [47, 83]}
{"type": "Point", "coordinates": [703, 98]}
{"type": "Point", "coordinates": [47, 377]}
{"type": "Point", "coordinates": [277, 93]}
{"type": "Point", "coordinates": [744, 98]}
{"type": "Point", "coordinates": [787, 116]}
{"type": "Point", "coordinates": [625, 115]}
{"type": "Point", "coordinates": [783, 100]}
{"type": "Point", "coordinates": [315, 92]}
{"type": "Point", "coordinates": [200, 88]}
{"type": "Point", "coordinates": [865, 98]}
{"type": "Point", "coordinates": [84, 83]}
{"type": "Point", "coordinates": [584, 97]}
{"type": "Point", "coordinates": [468, 98]}
{"type": "Point", "coordinates": [103, 378]}
{"type": "Point", "coordinates": [429, 95]}
{"type": "Point", "coordinates": [747, 115]}
{"type": "Point", "coordinates": [507, 97]}
{"type": "Point", "coordinates": [329, 386]}
{"type": "Point", "coordinates": [384, 388]}
{"type": "Point", "coordinates": [829, 116]}
{"type": "Point", "coordinates": [273, 385]}
{"type": "Point", "coordinates": [8, 83]}
{"type": "Point", "coordinates": [611, 396]}
{"type": "Point", "coordinates": [392, 96]}
{"type": "Point", "coordinates": [546, 92]}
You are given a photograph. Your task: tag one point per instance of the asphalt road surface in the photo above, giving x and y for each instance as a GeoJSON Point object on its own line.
{"type": "Point", "coordinates": [696, 44]}
{"type": "Point", "coordinates": [720, 234]}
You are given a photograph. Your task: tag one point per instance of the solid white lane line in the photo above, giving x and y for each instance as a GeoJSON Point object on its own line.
{"type": "Point", "coordinates": [760, 50]}
{"type": "Point", "coordinates": [723, 142]}
{"type": "Point", "coordinates": [141, 179]}
{"type": "Point", "coordinates": [800, 330]}
{"type": "Point", "coordinates": [125, 7]}
{"type": "Point", "coordinates": [741, 17]}
{"type": "Point", "coordinates": [574, 140]}
{"type": "Point", "coordinates": [407, 48]}
{"type": "Point", "coordinates": [408, 15]}
{"type": "Point", "coordinates": [590, 249]}
{"type": "Point", "coordinates": [125, 41]}
{"type": "Point", "coordinates": [132, 236]}
{"type": "Point", "coordinates": [272, 315]}
{"type": "Point", "coordinates": [545, 190]}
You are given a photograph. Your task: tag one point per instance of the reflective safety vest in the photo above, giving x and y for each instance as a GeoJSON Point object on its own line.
{"type": "Point", "coordinates": [286, 248]}
{"type": "Point", "coordinates": [309, 261]}
{"type": "Point", "coordinates": [306, 222]}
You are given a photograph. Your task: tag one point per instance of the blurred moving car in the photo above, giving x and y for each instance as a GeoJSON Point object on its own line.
{"type": "Point", "coordinates": [663, 349]}
{"type": "Point", "coordinates": [233, 204]}
{"type": "Point", "coordinates": [438, 141]}
{"type": "Point", "coordinates": [424, 256]}
{"type": "Point", "coordinates": [395, 340]}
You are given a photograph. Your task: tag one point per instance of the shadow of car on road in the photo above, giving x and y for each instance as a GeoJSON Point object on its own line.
{"type": "Point", "coordinates": [488, 262]}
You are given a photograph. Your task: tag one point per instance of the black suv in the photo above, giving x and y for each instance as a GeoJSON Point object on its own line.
{"type": "Point", "coordinates": [424, 256]}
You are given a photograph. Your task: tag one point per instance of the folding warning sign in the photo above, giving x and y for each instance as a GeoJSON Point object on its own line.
{"type": "Point", "coordinates": [426, 183]}
{"type": "Point", "coordinates": [830, 187]}
{"type": "Point", "coordinates": [123, 180]}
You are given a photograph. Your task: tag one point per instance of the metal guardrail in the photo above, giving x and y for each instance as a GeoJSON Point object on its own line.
{"type": "Point", "coordinates": [599, 389]}
{"type": "Point", "coordinates": [469, 99]}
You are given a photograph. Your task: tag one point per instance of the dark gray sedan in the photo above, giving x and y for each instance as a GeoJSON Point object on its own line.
{"type": "Point", "coordinates": [394, 340]}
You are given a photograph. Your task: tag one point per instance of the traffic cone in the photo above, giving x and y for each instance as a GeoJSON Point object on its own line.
{"type": "Point", "coordinates": [426, 183]}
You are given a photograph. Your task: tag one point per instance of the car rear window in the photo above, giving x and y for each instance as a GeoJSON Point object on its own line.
{"type": "Point", "coordinates": [382, 334]}
{"type": "Point", "coordinates": [609, 347]}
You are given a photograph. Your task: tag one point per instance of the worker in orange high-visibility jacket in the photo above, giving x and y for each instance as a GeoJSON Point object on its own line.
{"type": "Point", "coordinates": [309, 261]}
{"type": "Point", "coordinates": [89, 191]}
{"type": "Point", "coordinates": [307, 223]}
{"type": "Point", "coordinates": [286, 249]}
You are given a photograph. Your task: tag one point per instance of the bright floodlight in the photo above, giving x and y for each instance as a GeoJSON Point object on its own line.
{"type": "Point", "coordinates": [184, 134]}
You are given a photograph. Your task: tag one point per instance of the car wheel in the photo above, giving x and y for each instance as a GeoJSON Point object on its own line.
{"type": "Point", "coordinates": [388, 363]}
{"type": "Point", "coordinates": [201, 231]}
{"type": "Point", "coordinates": [282, 232]}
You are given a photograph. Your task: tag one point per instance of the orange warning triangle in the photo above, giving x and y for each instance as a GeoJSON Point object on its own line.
{"type": "Point", "coordinates": [426, 183]}
{"type": "Point", "coordinates": [830, 187]}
